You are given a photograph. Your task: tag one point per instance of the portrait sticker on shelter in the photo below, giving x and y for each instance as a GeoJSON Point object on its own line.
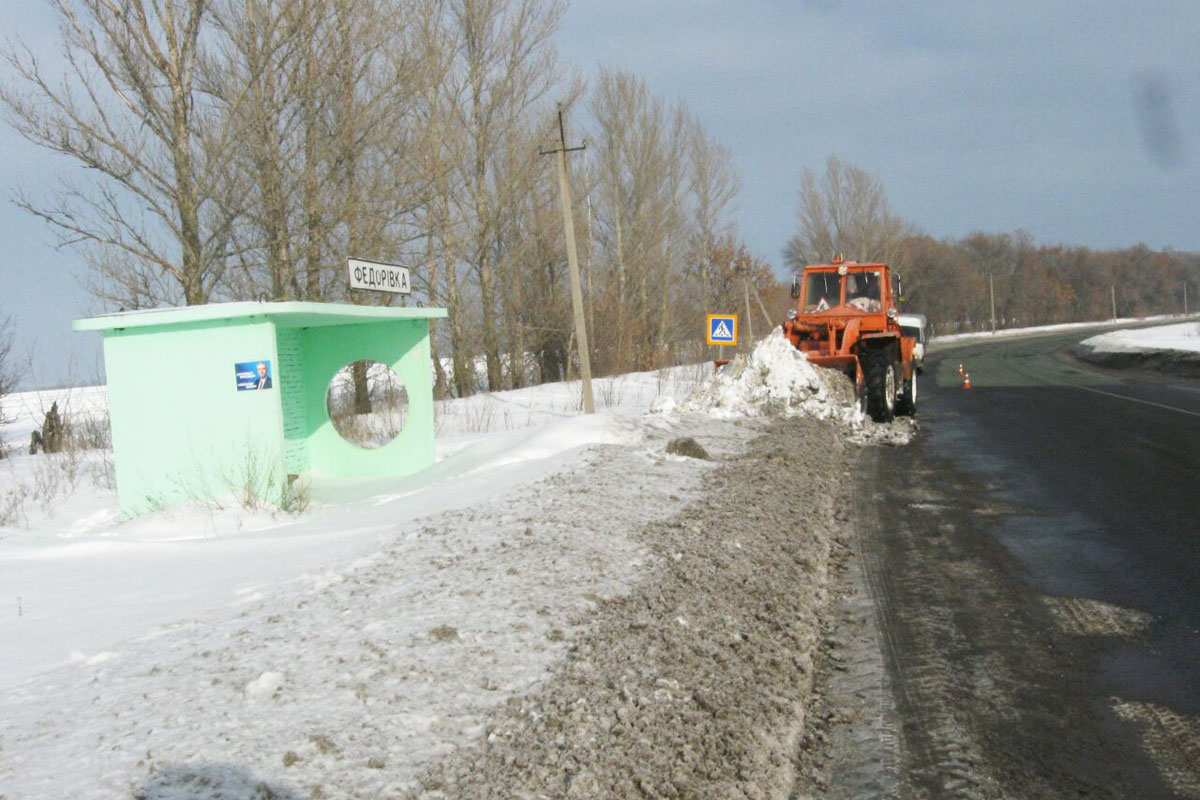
{"type": "Point", "coordinates": [253, 375]}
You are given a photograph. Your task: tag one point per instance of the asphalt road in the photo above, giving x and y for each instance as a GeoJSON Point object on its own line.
{"type": "Point", "coordinates": [1110, 464]}
{"type": "Point", "coordinates": [1033, 559]}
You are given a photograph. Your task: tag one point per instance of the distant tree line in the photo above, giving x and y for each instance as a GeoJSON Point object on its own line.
{"type": "Point", "coordinates": [243, 149]}
{"type": "Point", "coordinates": [1040, 284]}
{"type": "Point", "coordinates": [845, 209]}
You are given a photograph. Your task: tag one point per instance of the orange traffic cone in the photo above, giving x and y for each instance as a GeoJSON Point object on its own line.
{"type": "Point", "coordinates": [961, 371]}
{"type": "Point", "coordinates": [966, 381]}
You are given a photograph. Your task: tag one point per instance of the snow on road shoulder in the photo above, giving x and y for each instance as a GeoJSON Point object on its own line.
{"type": "Point", "coordinates": [346, 680]}
{"type": "Point", "coordinates": [1167, 349]}
{"type": "Point", "coordinates": [697, 684]}
{"type": "Point", "coordinates": [202, 653]}
{"type": "Point", "coordinates": [1184, 336]}
{"type": "Point", "coordinates": [939, 341]}
{"type": "Point", "coordinates": [342, 650]}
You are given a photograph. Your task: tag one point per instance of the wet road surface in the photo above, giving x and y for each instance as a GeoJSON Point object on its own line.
{"type": "Point", "coordinates": [1033, 560]}
{"type": "Point", "coordinates": [1110, 464]}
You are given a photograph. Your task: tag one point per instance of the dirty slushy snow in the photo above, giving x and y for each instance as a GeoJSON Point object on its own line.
{"type": "Point", "coordinates": [397, 634]}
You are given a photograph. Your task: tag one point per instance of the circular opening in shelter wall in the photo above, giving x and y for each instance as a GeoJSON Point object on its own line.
{"type": "Point", "coordinates": [367, 403]}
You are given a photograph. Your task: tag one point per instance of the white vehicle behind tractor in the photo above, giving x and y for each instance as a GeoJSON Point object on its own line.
{"type": "Point", "coordinates": [914, 325]}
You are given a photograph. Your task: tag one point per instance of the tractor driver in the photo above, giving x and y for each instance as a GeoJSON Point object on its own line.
{"type": "Point", "coordinates": [862, 291]}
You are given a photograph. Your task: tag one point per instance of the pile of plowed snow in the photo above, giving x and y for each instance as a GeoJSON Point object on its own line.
{"type": "Point", "coordinates": [778, 380]}
{"type": "Point", "coordinates": [774, 380]}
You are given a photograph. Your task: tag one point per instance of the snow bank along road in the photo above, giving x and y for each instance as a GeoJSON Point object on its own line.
{"type": "Point", "coordinates": [633, 623]}
{"type": "Point", "coordinates": [1171, 349]}
{"type": "Point", "coordinates": [679, 649]}
{"type": "Point", "coordinates": [629, 621]}
{"type": "Point", "coordinates": [696, 683]}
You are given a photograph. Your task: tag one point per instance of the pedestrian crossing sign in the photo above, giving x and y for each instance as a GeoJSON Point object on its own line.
{"type": "Point", "coordinates": [722, 329]}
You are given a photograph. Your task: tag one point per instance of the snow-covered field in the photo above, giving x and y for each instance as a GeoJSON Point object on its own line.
{"type": "Point", "coordinates": [145, 657]}
{"type": "Point", "coordinates": [1155, 345]}
{"type": "Point", "coordinates": [1147, 335]}
{"type": "Point", "coordinates": [1184, 337]}
{"type": "Point", "coordinates": [149, 657]}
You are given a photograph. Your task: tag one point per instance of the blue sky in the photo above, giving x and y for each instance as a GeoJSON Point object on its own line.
{"type": "Point", "coordinates": [1076, 121]}
{"type": "Point", "coordinates": [975, 115]}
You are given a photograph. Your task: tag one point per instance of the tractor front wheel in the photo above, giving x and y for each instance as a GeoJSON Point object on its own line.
{"type": "Point", "coordinates": [879, 370]}
{"type": "Point", "coordinates": [906, 403]}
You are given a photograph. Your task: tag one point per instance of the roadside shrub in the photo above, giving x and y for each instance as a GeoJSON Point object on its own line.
{"type": "Point", "coordinates": [84, 442]}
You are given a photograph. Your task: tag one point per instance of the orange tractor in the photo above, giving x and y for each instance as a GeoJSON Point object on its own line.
{"type": "Point", "coordinates": [847, 320]}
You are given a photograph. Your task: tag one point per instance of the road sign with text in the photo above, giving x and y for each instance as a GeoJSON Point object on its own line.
{"type": "Point", "coordinates": [722, 329]}
{"type": "Point", "coordinates": [375, 276]}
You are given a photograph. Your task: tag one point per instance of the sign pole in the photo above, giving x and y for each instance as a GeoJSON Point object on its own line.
{"type": "Point", "coordinates": [749, 318]}
{"type": "Point", "coordinates": [992, 294]}
{"type": "Point", "coordinates": [564, 187]}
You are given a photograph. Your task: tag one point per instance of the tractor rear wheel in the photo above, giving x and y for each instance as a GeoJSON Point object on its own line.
{"type": "Point", "coordinates": [879, 370]}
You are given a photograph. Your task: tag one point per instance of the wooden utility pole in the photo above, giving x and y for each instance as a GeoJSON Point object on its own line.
{"type": "Point", "coordinates": [564, 187]}
{"type": "Point", "coordinates": [1185, 298]}
{"type": "Point", "coordinates": [749, 319]}
{"type": "Point", "coordinates": [992, 292]}
{"type": "Point", "coordinates": [1113, 291]}
{"type": "Point", "coordinates": [590, 315]}
{"type": "Point", "coordinates": [763, 308]}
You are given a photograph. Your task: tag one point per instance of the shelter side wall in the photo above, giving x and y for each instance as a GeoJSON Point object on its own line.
{"type": "Point", "coordinates": [181, 428]}
{"type": "Point", "coordinates": [402, 345]}
{"type": "Point", "coordinates": [290, 346]}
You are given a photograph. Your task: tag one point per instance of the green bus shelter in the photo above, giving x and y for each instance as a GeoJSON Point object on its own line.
{"type": "Point", "coordinates": [209, 398]}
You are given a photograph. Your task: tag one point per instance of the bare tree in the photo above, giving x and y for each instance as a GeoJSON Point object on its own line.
{"type": "Point", "coordinates": [129, 108]}
{"type": "Point", "coordinates": [260, 78]}
{"type": "Point", "coordinates": [8, 367]}
{"type": "Point", "coordinates": [941, 282]}
{"type": "Point", "coordinates": [844, 211]}
{"type": "Point", "coordinates": [330, 124]}
{"type": "Point", "coordinates": [244, 148]}
{"type": "Point", "coordinates": [614, 93]}
{"type": "Point", "coordinates": [537, 303]}
{"type": "Point", "coordinates": [642, 226]}
{"type": "Point", "coordinates": [674, 223]}
{"type": "Point", "coordinates": [714, 186]}
{"type": "Point", "coordinates": [505, 67]}
{"type": "Point", "coordinates": [445, 239]}
{"type": "Point", "coordinates": [326, 98]}
{"type": "Point", "coordinates": [438, 146]}
{"type": "Point", "coordinates": [9, 372]}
